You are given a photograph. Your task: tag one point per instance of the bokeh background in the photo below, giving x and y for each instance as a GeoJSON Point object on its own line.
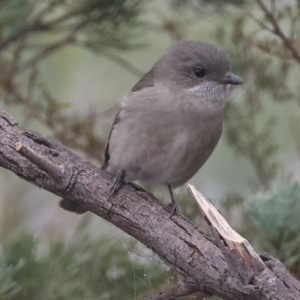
{"type": "Point", "coordinates": [64, 66]}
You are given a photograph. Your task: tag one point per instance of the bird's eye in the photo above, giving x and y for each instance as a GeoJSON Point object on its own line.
{"type": "Point", "coordinates": [199, 72]}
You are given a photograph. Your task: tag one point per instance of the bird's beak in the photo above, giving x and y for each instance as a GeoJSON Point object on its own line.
{"type": "Point", "coordinates": [232, 79]}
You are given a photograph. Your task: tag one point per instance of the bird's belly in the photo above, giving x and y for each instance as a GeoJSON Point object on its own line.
{"type": "Point", "coordinates": [181, 161]}
{"type": "Point", "coordinates": [186, 169]}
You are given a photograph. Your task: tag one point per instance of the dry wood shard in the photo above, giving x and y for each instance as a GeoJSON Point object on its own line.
{"type": "Point", "coordinates": [230, 238]}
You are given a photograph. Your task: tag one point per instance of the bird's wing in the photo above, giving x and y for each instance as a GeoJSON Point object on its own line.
{"type": "Point", "coordinates": [144, 82]}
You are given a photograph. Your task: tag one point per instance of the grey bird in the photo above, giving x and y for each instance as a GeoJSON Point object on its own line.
{"type": "Point", "coordinates": [171, 121]}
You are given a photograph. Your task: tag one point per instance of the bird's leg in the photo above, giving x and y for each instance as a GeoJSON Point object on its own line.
{"type": "Point", "coordinates": [119, 179]}
{"type": "Point", "coordinates": [171, 207]}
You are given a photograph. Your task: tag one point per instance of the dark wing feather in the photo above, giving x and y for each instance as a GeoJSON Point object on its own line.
{"type": "Point", "coordinates": [144, 82]}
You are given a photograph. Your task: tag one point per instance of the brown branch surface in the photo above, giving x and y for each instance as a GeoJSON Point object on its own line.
{"type": "Point", "coordinates": [181, 289]}
{"type": "Point", "coordinates": [185, 248]}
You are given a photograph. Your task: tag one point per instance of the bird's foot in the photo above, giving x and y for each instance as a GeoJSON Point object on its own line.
{"type": "Point", "coordinates": [118, 181]}
{"type": "Point", "coordinates": [172, 208]}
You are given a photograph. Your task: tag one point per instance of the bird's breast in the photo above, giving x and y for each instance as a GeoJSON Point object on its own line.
{"type": "Point", "coordinates": [199, 143]}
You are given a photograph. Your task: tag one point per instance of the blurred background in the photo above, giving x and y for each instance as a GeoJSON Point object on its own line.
{"type": "Point", "coordinates": [64, 66]}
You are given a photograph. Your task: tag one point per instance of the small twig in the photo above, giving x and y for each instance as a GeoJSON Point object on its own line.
{"type": "Point", "coordinates": [40, 161]}
{"type": "Point", "coordinates": [180, 290]}
{"type": "Point", "coordinates": [20, 32]}
{"type": "Point", "coordinates": [43, 54]}
{"type": "Point", "coordinates": [278, 31]}
{"type": "Point", "coordinates": [53, 47]}
{"type": "Point", "coordinates": [124, 63]}
{"type": "Point", "coordinates": [260, 23]}
{"type": "Point", "coordinates": [112, 57]}
{"type": "Point", "coordinates": [38, 25]}
{"type": "Point", "coordinates": [42, 115]}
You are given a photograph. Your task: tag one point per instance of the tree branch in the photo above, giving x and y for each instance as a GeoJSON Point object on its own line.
{"type": "Point", "coordinates": [45, 165]}
{"type": "Point", "coordinates": [180, 290]}
{"type": "Point", "coordinates": [278, 31]}
{"type": "Point", "coordinates": [185, 248]}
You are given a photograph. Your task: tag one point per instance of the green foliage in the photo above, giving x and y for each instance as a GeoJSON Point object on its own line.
{"type": "Point", "coordinates": [257, 143]}
{"type": "Point", "coordinates": [8, 286]}
{"type": "Point", "coordinates": [265, 56]}
{"type": "Point", "coordinates": [112, 24]}
{"type": "Point", "coordinates": [40, 28]}
{"type": "Point", "coordinates": [275, 214]}
{"type": "Point", "coordinates": [12, 14]}
{"type": "Point", "coordinates": [200, 4]}
{"type": "Point", "coordinates": [251, 119]}
{"type": "Point", "coordinates": [83, 269]}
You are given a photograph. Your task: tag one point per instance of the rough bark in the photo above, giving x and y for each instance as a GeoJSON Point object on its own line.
{"type": "Point", "coordinates": [186, 248]}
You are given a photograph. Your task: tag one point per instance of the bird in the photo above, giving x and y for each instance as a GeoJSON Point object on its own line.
{"type": "Point", "coordinates": [171, 121]}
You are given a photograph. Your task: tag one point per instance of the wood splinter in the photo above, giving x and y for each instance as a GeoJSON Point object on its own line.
{"type": "Point", "coordinates": [53, 170]}
{"type": "Point", "coordinates": [229, 240]}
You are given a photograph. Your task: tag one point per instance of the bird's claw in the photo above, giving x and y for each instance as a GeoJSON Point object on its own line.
{"type": "Point", "coordinates": [117, 183]}
{"type": "Point", "coordinates": [172, 208]}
